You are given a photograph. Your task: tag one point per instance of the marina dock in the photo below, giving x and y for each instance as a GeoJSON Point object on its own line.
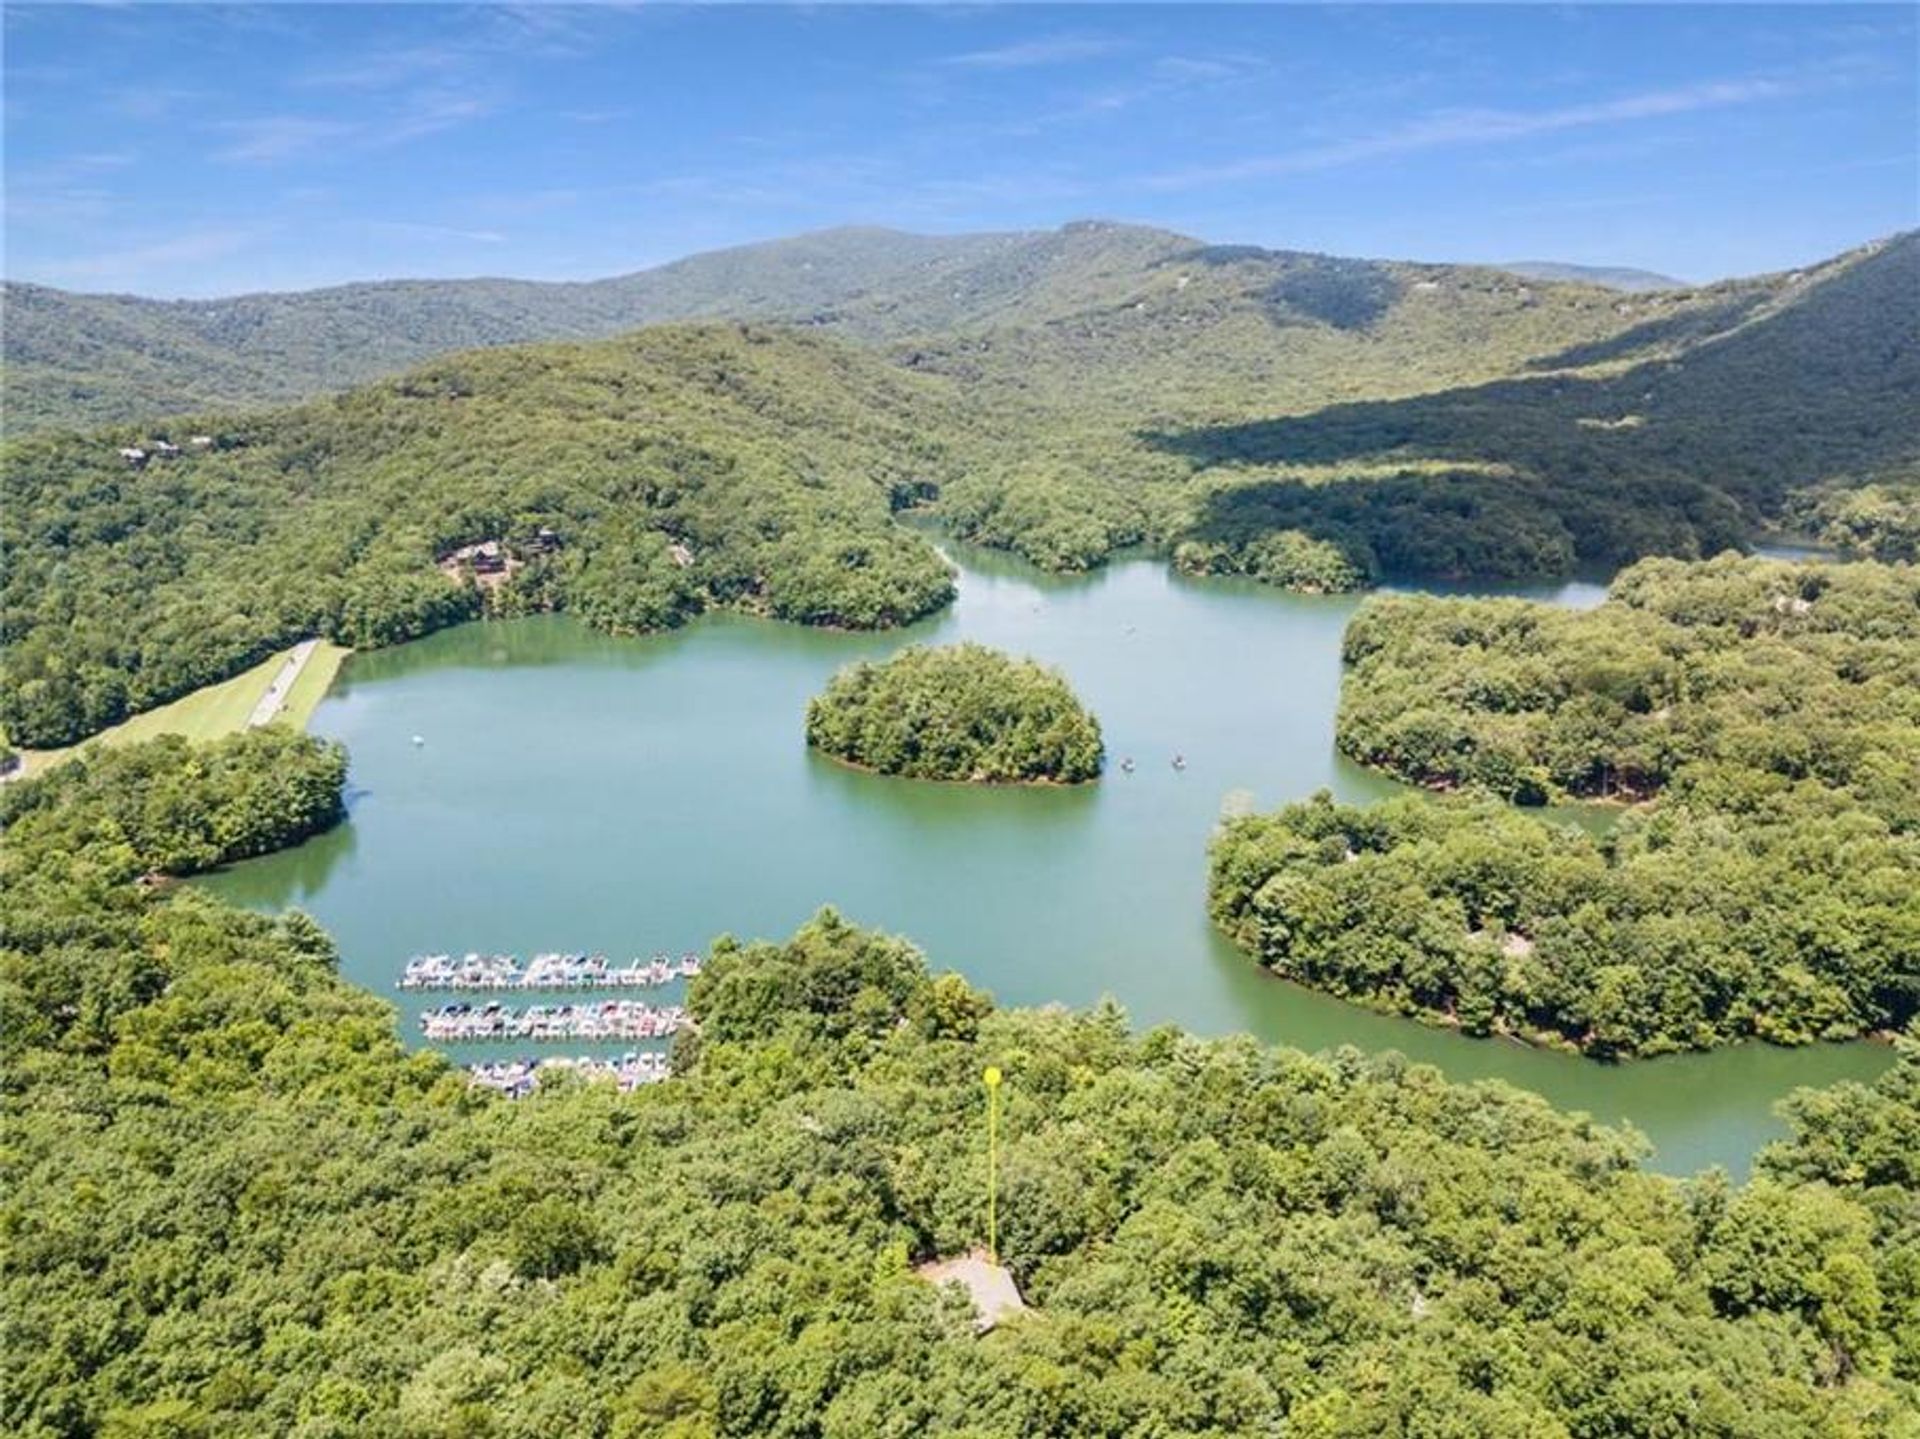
{"type": "Point", "coordinates": [517, 1078]}
{"type": "Point", "coordinates": [608, 1019]}
{"type": "Point", "coordinates": [477, 972]}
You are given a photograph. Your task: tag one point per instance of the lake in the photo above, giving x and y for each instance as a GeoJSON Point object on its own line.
{"type": "Point", "coordinates": [580, 792]}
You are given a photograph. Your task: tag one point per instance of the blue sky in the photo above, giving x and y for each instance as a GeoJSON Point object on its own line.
{"type": "Point", "coordinates": [186, 150]}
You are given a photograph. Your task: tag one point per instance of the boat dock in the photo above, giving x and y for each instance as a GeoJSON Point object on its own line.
{"type": "Point", "coordinates": [517, 1078]}
{"type": "Point", "coordinates": [609, 1019]}
{"type": "Point", "coordinates": [547, 971]}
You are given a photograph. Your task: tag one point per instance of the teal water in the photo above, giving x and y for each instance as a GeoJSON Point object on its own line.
{"type": "Point", "coordinates": [576, 791]}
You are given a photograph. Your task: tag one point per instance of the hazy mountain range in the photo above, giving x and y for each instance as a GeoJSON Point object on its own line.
{"type": "Point", "coordinates": [84, 358]}
{"type": "Point", "coordinates": [1612, 277]}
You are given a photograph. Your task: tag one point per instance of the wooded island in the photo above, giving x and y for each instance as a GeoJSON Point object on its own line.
{"type": "Point", "coordinates": [963, 712]}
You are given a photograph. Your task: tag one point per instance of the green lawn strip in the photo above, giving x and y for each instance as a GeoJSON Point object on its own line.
{"type": "Point", "coordinates": [312, 686]}
{"type": "Point", "coordinates": [219, 709]}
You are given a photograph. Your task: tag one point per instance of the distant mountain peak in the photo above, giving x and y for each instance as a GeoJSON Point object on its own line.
{"type": "Point", "coordinates": [1609, 277]}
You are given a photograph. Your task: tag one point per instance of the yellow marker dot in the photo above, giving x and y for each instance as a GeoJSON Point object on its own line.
{"type": "Point", "coordinates": [992, 1076]}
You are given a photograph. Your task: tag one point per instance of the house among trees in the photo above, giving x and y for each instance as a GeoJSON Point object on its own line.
{"type": "Point", "coordinates": [486, 560]}
{"type": "Point", "coordinates": [133, 455]}
{"type": "Point", "coordinates": [165, 449]}
{"type": "Point", "coordinates": [489, 557]}
{"type": "Point", "coordinates": [200, 442]}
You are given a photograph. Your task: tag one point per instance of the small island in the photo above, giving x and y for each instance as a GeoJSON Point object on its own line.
{"type": "Point", "coordinates": [961, 712]}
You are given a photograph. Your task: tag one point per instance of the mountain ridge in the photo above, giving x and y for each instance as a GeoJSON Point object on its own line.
{"type": "Point", "coordinates": [79, 359]}
{"type": "Point", "coordinates": [1611, 277]}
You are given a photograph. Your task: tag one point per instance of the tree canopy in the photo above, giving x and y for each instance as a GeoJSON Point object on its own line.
{"type": "Point", "coordinates": [959, 712]}
{"type": "Point", "coordinates": [1769, 887]}
{"type": "Point", "coordinates": [1682, 928]}
{"type": "Point", "coordinates": [1734, 675]}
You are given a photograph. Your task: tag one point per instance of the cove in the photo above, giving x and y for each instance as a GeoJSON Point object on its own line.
{"type": "Point", "coordinates": [577, 791]}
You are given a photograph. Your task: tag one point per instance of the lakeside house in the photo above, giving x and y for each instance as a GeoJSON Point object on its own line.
{"type": "Point", "coordinates": [484, 557]}
{"type": "Point", "coordinates": [488, 562]}
{"type": "Point", "coordinates": [491, 562]}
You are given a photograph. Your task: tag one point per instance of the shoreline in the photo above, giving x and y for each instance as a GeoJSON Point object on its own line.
{"type": "Point", "coordinates": [1041, 783]}
{"type": "Point", "coordinates": [1551, 1041]}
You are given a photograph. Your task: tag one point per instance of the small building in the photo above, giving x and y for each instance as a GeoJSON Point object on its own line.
{"type": "Point", "coordinates": [682, 553]}
{"type": "Point", "coordinates": [200, 442]}
{"type": "Point", "coordinates": [133, 455]}
{"type": "Point", "coordinates": [486, 560]}
{"type": "Point", "coordinates": [544, 541]}
{"type": "Point", "coordinates": [165, 450]}
{"type": "Point", "coordinates": [488, 557]}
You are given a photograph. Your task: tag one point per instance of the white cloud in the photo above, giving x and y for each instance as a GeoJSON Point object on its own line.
{"type": "Point", "coordinates": [1190, 67]}
{"type": "Point", "coordinates": [1053, 50]}
{"type": "Point", "coordinates": [427, 114]}
{"type": "Point", "coordinates": [152, 102]}
{"type": "Point", "coordinates": [71, 205]}
{"type": "Point", "coordinates": [1446, 128]}
{"type": "Point", "coordinates": [135, 264]}
{"type": "Point", "coordinates": [438, 232]}
{"type": "Point", "coordinates": [272, 138]}
{"type": "Point", "coordinates": [389, 67]}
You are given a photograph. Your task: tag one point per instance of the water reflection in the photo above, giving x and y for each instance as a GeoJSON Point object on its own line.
{"type": "Point", "coordinates": [297, 875]}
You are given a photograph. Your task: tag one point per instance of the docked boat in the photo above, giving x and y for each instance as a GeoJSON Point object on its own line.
{"type": "Point", "coordinates": [553, 970]}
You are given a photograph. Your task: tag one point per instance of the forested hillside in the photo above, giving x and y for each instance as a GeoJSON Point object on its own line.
{"type": "Point", "coordinates": [1771, 889]}
{"type": "Point", "coordinates": [1879, 521]}
{"type": "Point", "coordinates": [74, 359]}
{"type": "Point", "coordinates": [1323, 422]}
{"type": "Point", "coordinates": [674, 470]}
{"type": "Point", "coordinates": [1313, 422]}
{"type": "Point", "coordinates": [1737, 677]}
{"type": "Point", "coordinates": [234, 1205]}
{"type": "Point", "coordinates": [1154, 328]}
{"type": "Point", "coordinates": [1127, 337]}
{"type": "Point", "coordinates": [1612, 277]}
{"type": "Point", "coordinates": [1676, 437]}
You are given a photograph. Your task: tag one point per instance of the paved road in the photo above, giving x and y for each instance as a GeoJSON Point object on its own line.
{"type": "Point", "coordinates": [282, 685]}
